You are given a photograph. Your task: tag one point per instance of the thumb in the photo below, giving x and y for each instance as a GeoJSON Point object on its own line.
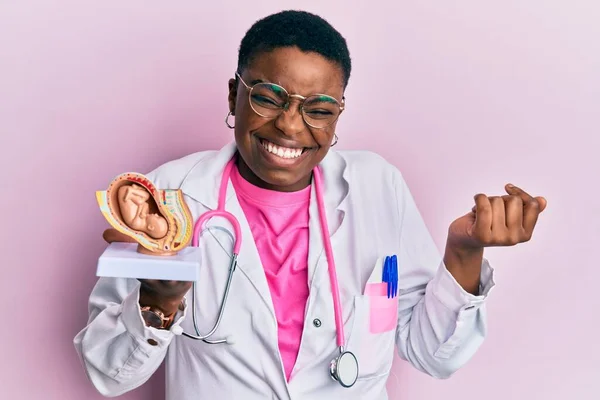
{"type": "Point", "coordinates": [113, 235]}
{"type": "Point", "coordinates": [542, 202]}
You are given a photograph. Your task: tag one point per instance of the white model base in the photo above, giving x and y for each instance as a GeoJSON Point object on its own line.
{"type": "Point", "coordinates": [122, 260]}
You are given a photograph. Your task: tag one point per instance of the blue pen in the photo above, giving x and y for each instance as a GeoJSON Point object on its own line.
{"type": "Point", "coordinates": [386, 274]}
{"type": "Point", "coordinates": [395, 274]}
{"type": "Point", "coordinates": [390, 275]}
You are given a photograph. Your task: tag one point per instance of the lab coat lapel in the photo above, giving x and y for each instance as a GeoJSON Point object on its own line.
{"type": "Point", "coordinates": [249, 261]}
{"type": "Point", "coordinates": [203, 181]}
{"type": "Point", "coordinates": [335, 194]}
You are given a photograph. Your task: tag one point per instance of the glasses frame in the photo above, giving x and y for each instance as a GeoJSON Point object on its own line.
{"type": "Point", "coordinates": [341, 105]}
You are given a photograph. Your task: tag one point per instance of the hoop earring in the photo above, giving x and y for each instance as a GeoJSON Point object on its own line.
{"type": "Point", "coordinates": [335, 140]}
{"type": "Point", "coordinates": [227, 120]}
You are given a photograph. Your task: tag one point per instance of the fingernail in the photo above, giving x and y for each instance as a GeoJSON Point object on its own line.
{"type": "Point", "coordinates": [510, 185]}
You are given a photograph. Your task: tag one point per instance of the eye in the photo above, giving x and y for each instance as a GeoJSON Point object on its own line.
{"type": "Point", "coordinates": [321, 107]}
{"type": "Point", "coordinates": [266, 101]}
{"type": "Point", "coordinates": [318, 114]}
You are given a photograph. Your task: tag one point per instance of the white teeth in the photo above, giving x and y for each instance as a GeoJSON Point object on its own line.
{"type": "Point", "coordinates": [283, 152]}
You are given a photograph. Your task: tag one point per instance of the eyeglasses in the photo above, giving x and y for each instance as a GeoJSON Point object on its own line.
{"type": "Point", "coordinates": [269, 100]}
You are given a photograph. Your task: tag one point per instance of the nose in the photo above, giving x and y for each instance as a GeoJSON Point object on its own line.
{"type": "Point", "coordinates": [290, 121]}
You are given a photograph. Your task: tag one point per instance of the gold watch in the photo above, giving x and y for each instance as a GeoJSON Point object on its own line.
{"type": "Point", "coordinates": [155, 318]}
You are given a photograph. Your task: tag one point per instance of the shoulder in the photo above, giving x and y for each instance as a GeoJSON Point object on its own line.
{"type": "Point", "coordinates": [172, 173]}
{"type": "Point", "coordinates": [369, 168]}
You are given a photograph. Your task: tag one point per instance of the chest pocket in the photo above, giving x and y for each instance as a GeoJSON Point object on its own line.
{"type": "Point", "coordinates": [383, 311]}
{"type": "Point", "coordinates": [373, 335]}
{"type": "Point", "coordinates": [374, 331]}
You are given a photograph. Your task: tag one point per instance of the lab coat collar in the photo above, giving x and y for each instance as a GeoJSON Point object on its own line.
{"type": "Point", "coordinates": [203, 182]}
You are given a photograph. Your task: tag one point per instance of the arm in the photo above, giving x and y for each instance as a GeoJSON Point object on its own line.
{"type": "Point", "coordinates": [118, 352]}
{"type": "Point", "coordinates": [114, 347]}
{"type": "Point", "coordinates": [136, 194]}
{"type": "Point", "coordinates": [440, 325]}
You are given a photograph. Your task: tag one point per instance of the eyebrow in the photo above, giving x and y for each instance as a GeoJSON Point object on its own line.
{"type": "Point", "coordinates": [255, 81]}
{"type": "Point", "coordinates": [326, 98]}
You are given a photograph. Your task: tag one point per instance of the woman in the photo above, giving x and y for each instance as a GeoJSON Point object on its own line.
{"type": "Point", "coordinates": [280, 319]}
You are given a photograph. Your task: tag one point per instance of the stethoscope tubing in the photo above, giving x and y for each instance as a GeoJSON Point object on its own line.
{"type": "Point", "coordinates": [237, 240]}
{"type": "Point", "coordinates": [220, 212]}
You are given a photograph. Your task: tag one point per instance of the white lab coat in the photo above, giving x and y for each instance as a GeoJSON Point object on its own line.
{"type": "Point", "coordinates": [371, 214]}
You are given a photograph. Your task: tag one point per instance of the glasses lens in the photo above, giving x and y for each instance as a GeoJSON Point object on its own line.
{"type": "Point", "coordinates": [320, 111]}
{"type": "Point", "coordinates": [268, 99]}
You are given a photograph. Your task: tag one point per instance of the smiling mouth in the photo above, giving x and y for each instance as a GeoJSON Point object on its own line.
{"type": "Point", "coordinates": [281, 151]}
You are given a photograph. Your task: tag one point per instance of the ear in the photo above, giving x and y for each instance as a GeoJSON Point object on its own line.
{"type": "Point", "coordinates": [231, 98]}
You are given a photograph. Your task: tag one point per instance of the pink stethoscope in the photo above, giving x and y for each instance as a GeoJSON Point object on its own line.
{"type": "Point", "coordinates": [344, 367]}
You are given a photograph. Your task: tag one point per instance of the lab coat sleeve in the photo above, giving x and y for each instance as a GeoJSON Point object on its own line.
{"type": "Point", "coordinates": [440, 325]}
{"type": "Point", "coordinates": [118, 351]}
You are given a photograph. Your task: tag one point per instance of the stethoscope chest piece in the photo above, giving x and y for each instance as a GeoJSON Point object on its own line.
{"type": "Point", "coordinates": [344, 369]}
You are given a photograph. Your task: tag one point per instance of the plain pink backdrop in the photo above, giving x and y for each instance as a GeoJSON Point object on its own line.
{"type": "Point", "coordinates": [462, 96]}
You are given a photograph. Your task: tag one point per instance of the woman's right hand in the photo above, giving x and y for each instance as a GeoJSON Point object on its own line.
{"type": "Point", "coordinates": [164, 295]}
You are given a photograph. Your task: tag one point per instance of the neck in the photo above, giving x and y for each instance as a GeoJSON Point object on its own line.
{"type": "Point", "coordinates": [251, 177]}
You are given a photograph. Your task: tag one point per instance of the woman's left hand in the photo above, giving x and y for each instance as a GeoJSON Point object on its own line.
{"type": "Point", "coordinates": [497, 221]}
{"type": "Point", "coordinates": [493, 221]}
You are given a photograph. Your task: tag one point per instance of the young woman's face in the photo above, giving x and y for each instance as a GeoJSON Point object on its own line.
{"type": "Point", "coordinates": [279, 152]}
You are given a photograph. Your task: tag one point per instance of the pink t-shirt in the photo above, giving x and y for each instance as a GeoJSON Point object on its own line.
{"type": "Point", "coordinates": [279, 225]}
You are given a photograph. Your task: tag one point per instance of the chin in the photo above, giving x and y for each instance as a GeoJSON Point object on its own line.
{"type": "Point", "coordinates": [279, 178]}
{"type": "Point", "coordinates": [284, 179]}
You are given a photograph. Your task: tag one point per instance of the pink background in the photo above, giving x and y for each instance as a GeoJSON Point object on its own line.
{"type": "Point", "coordinates": [462, 96]}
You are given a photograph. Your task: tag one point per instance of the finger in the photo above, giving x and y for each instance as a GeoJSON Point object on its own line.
{"type": "Point", "coordinates": [155, 285]}
{"type": "Point", "coordinates": [113, 235]}
{"type": "Point", "coordinates": [527, 198]}
{"type": "Point", "coordinates": [530, 217]}
{"type": "Point", "coordinates": [482, 227]}
{"type": "Point", "coordinates": [498, 213]}
{"type": "Point", "coordinates": [514, 212]}
{"type": "Point", "coordinates": [151, 289]}
{"type": "Point", "coordinates": [163, 287]}
{"type": "Point", "coordinates": [515, 233]}
{"type": "Point", "coordinates": [514, 190]}
{"type": "Point", "coordinates": [532, 207]}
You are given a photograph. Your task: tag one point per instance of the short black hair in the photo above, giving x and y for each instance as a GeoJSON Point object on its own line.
{"type": "Point", "coordinates": [308, 32]}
